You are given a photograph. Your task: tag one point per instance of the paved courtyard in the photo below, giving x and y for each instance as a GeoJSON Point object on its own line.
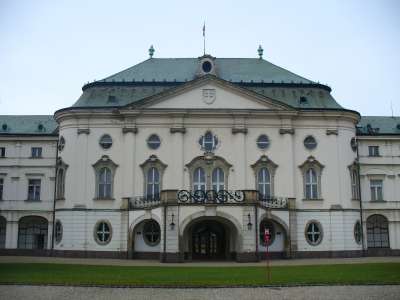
{"type": "Point", "coordinates": [315, 292]}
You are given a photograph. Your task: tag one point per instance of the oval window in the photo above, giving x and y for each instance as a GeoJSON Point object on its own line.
{"type": "Point", "coordinates": [313, 233]}
{"type": "Point", "coordinates": [61, 144]}
{"type": "Point", "coordinates": [151, 233]}
{"type": "Point", "coordinates": [263, 142]}
{"type": "Point", "coordinates": [58, 231]}
{"type": "Point", "coordinates": [154, 142]}
{"type": "Point", "coordinates": [357, 232]}
{"type": "Point", "coordinates": [310, 143]}
{"type": "Point", "coordinates": [106, 141]}
{"type": "Point", "coordinates": [103, 232]}
{"type": "Point", "coordinates": [206, 66]}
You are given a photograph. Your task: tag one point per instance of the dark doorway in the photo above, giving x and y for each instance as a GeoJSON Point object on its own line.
{"type": "Point", "coordinates": [209, 241]}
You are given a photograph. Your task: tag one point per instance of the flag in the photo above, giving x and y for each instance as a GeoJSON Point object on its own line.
{"type": "Point", "coordinates": [266, 236]}
{"type": "Point", "coordinates": [204, 29]}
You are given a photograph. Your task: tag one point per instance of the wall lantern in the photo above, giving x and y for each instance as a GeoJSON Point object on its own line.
{"type": "Point", "coordinates": [249, 225]}
{"type": "Point", "coordinates": [172, 224]}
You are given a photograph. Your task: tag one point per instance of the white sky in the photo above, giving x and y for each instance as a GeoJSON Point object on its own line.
{"type": "Point", "coordinates": [49, 49]}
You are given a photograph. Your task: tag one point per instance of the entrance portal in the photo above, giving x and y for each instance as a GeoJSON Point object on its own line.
{"type": "Point", "coordinates": [209, 240]}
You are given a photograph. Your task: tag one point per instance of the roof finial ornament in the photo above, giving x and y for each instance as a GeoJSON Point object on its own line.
{"type": "Point", "coordinates": [151, 51]}
{"type": "Point", "coordinates": [260, 51]}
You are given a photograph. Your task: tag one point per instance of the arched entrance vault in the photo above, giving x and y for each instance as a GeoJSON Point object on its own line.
{"type": "Point", "coordinates": [279, 245]}
{"type": "Point", "coordinates": [204, 237]}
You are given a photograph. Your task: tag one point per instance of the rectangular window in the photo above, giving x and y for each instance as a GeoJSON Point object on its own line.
{"type": "Point", "coordinates": [1, 188]}
{"type": "Point", "coordinates": [34, 189]}
{"type": "Point", "coordinates": [36, 152]}
{"type": "Point", "coordinates": [373, 150]}
{"type": "Point", "coordinates": [376, 190]}
{"type": "Point", "coordinates": [2, 151]}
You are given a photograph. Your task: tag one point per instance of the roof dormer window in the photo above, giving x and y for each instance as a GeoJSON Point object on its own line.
{"type": "Point", "coordinates": [206, 65]}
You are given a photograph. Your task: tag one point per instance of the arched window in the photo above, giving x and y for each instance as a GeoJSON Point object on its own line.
{"type": "Point", "coordinates": [377, 232]}
{"type": "Point", "coordinates": [32, 233]}
{"type": "Point", "coordinates": [105, 183]}
{"type": "Point", "coordinates": [199, 180]}
{"type": "Point", "coordinates": [354, 184]}
{"type": "Point", "coordinates": [312, 172]}
{"type": "Point", "coordinates": [311, 184]}
{"type": "Point", "coordinates": [105, 171]}
{"type": "Point", "coordinates": [60, 187]}
{"type": "Point", "coordinates": [218, 179]}
{"type": "Point", "coordinates": [264, 183]}
{"type": "Point", "coordinates": [153, 184]}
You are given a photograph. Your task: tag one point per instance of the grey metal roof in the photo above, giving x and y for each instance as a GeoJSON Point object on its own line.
{"type": "Point", "coordinates": [378, 125]}
{"type": "Point", "coordinates": [156, 75]}
{"type": "Point", "coordinates": [28, 125]}
{"type": "Point", "coordinates": [184, 69]}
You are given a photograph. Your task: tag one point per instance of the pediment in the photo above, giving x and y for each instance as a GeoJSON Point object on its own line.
{"type": "Point", "coordinates": [210, 93]}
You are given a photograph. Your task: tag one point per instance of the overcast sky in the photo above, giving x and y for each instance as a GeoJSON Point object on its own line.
{"type": "Point", "coordinates": [49, 49]}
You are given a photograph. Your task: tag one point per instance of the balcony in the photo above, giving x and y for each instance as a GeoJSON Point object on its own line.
{"type": "Point", "coordinates": [208, 197]}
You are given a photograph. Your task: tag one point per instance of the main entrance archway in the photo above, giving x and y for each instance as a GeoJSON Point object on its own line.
{"type": "Point", "coordinates": [210, 238]}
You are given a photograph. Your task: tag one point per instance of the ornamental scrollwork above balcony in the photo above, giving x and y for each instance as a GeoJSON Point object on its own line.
{"type": "Point", "coordinates": [210, 197]}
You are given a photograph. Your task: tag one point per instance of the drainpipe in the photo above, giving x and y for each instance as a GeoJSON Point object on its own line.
{"type": "Point", "coordinates": [361, 207]}
{"type": "Point", "coordinates": [54, 201]}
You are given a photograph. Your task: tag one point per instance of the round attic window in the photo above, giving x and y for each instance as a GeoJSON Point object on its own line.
{"type": "Point", "coordinates": [206, 66]}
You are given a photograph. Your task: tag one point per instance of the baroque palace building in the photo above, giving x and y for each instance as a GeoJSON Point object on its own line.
{"type": "Point", "coordinates": [182, 159]}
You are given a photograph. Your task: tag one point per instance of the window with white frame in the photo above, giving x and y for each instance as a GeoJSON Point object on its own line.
{"type": "Point", "coordinates": [58, 231]}
{"type": "Point", "coordinates": [2, 151]}
{"type": "Point", "coordinates": [104, 183]}
{"type": "Point", "coordinates": [199, 180]}
{"type": "Point", "coordinates": [103, 232]}
{"type": "Point", "coordinates": [151, 233]}
{"type": "Point", "coordinates": [376, 186]}
{"type": "Point", "coordinates": [218, 179]}
{"type": "Point", "coordinates": [264, 183]}
{"type": "Point", "coordinates": [34, 189]}
{"type": "Point", "coordinates": [311, 184]}
{"type": "Point", "coordinates": [264, 171]}
{"type": "Point", "coordinates": [373, 150]}
{"type": "Point", "coordinates": [354, 185]}
{"type": "Point", "coordinates": [60, 178]}
{"type": "Point", "coordinates": [208, 142]}
{"type": "Point", "coordinates": [208, 172]}
{"type": "Point", "coordinates": [153, 184]}
{"type": "Point", "coordinates": [105, 170]}
{"type": "Point", "coordinates": [312, 172]}
{"type": "Point", "coordinates": [313, 233]}
{"type": "Point", "coordinates": [36, 152]}
{"type": "Point", "coordinates": [153, 170]}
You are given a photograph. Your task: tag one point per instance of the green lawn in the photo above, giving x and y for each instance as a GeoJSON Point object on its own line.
{"type": "Point", "coordinates": [375, 273]}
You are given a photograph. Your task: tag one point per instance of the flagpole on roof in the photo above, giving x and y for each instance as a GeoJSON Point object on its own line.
{"type": "Point", "coordinates": [204, 38]}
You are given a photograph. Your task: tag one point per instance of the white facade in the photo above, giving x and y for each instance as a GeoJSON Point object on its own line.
{"type": "Point", "coordinates": [17, 169]}
{"type": "Point", "coordinates": [123, 200]}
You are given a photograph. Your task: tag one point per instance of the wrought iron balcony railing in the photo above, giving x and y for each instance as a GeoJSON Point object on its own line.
{"type": "Point", "coordinates": [210, 197]}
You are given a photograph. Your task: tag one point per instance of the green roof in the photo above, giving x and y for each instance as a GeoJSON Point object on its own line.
{"type": "Point", "coordinates": [27, 125]}
{"type": "Point", "coordinates": [378, 125]}
{"type": "Point", "coordinates": [184, 69]}
{"type": "Point", "coordinates": [156, 75]}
